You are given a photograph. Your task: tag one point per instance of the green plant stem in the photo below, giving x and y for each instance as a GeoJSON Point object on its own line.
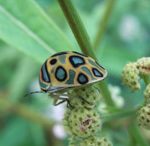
{"type": "Point", "coordinates": [106, 94]}
{"type": "Point", "coordinates": [77, 26]}
{"type": "Point", "coordinates": [136, 135]}
{"type": "Point", "coordinates": [119, 114]}
{"type": "Point", "coordinates": [134, 131]}
{"type": "Point", "coordinates": [83, 40]}
{"type": "Point", "coordinates": [24, 111]}
{"type": "Point", "coordinates": [103, 23]}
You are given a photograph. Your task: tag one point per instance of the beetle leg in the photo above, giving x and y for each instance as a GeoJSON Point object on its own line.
{"type": "Point", "coordinates": [57, 97]}
{"type": "Point", "coordinates": [61, 101]}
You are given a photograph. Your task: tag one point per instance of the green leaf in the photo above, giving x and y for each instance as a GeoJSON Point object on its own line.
{"type": "Point", "coordinates": [8, 55]}
{"type": "Point", "coordinates": [14, 134]}
{"type": "Point", "coordinates": [114, 59]}
{"type": "Point", "coordinates": [21, 78]}
{"type": "Point", "coordinates": [25, 26]}
{"type": "Point", "coordinates": [37, 134]}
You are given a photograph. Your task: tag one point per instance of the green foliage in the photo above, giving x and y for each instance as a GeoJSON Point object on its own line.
{"type": "Point", "coordinates": [31, 31]}
{"type": "Point", "coordinates": [26, 27]}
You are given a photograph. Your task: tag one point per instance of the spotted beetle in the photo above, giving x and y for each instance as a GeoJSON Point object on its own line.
{"type": "Point", "coordinates": [66, 70]}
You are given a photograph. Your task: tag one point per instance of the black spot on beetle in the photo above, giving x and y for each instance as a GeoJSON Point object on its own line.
{"type": "Point", "coordinates": [60, 73]}
{"type": "Point", "coordinates": [44, 73]}
{"type": "Point", "coordinates": [76, 61]}
{"type": "Point", "coordinates": [82, 78]}
{"type": "Point", "coordinates": [96, 72]}
{"type": "Point", "coordinates": [53, 61]}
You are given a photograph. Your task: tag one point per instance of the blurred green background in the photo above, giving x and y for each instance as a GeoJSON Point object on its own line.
{"type": "Point", "coordinates": [31, 31]}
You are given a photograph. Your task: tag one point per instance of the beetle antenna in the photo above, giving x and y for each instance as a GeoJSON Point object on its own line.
{"type": "Point", "coordinates": [34, 92]}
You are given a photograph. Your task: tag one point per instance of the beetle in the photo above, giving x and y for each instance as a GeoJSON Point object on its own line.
{"type": "Point", "coordinates": [65, 70]}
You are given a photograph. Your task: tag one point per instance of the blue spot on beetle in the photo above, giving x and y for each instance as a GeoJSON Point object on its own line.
{"type": "Point", "coordinates": [97, 73]}
{"type": "Point", "coordinates": [60, 73]}
{"type": "Point", "coordinates": [82, 78]}
{"type": "Point", "coordinates": [44, 72]}
{"type": "Point", "coordinates": [76, 61]}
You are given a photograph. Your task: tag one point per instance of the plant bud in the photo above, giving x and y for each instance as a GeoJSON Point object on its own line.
{"type": "Point", "coordinates": [147, 94]}
{"type": "Point", "coordinates": [82, 122]}
{"type": "Point", "coordinates": [130, 76]}
{"type": "Point", "coordinates": [143, 117]}
{"type": "Point", "coordinates": [143, 65]}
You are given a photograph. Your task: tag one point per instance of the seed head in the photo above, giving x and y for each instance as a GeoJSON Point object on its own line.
{"type": "Point", "coordinates": [104, 142]}
{"type": "Point", "coordinates": [130, 76]}
{"type": "Point", "coordinates": [143, 65]}
{"type": "Point", "coordinates": [147, 94]}
{"type": "Point", "coordinates": [87, 97]}
{"type": "Point", "coordinates": [82, 122]}
{"type": "Point", "coordinates": [95, 141]}
{"type": "Point", "coordinates": [143, 117]}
